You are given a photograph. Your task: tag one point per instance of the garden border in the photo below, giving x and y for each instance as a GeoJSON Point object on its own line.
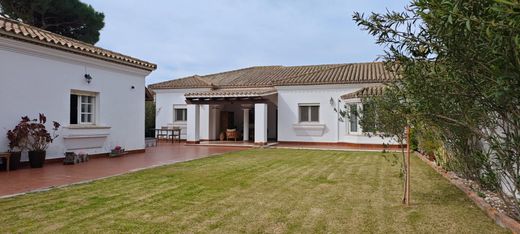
{"type": "Point", "coordinates": [500, 218]}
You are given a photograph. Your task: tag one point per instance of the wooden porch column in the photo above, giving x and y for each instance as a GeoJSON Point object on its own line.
{"type": "Point", "coordinates": [261, 123]}
{"type": "Point", "coordinates": [193, 118]}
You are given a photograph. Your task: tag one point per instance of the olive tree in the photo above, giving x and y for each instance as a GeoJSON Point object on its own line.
{"type": "Point", "coordinates": [458, 63]}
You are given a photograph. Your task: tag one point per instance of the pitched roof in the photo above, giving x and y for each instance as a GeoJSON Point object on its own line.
{"type": "Point", "coordinates": [23, 32]}
{"type": "Point", "coordinates": [186, 82]}
{"type": "Point", "coordinates": [236, 92]}
{"type": "Point", "coordinates": [343, 74]}
{"type": "Point", "coordinates": [365, 92]}
{"type": "Point", "coordinates": [270, 76]}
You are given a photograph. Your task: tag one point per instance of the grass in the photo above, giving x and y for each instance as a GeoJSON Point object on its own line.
{"type": "Point", "coordinates": [264, 190]}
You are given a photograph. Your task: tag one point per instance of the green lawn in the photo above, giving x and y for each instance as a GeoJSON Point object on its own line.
{"type": "Point", "coordinates": [264, 190]}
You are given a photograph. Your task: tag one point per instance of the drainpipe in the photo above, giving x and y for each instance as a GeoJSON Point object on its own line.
{"type": "Point", "coordinates": [337, 121]}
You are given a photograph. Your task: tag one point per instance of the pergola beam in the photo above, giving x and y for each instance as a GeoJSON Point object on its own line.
{"type": "Point", "coordinates": [226, 100]}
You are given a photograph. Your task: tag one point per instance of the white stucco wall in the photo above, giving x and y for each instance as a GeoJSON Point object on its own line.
{"type": "Point", "coordinates": [329, 129]}
{"type": "Point", "coordinates": [36, 80]}
{"type": "Point", "coordinates": [167, 99]}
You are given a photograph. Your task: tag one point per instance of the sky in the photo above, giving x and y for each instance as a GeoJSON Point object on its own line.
{"type": "Point", "coordinates": [189, 37]}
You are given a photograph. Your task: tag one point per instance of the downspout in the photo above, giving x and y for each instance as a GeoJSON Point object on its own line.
{"type": "Point", "coordinates": [337, 121]}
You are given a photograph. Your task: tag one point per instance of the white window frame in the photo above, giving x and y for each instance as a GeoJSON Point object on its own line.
{"type": "Point", "coordinates": [178, 107]}
{"type": "Point", "coordinates": [93, 104]}
{"type": "Point", "coordinates": [92, 113]}
{"type": "Point", "coordinates": [309, 112]}
{"type": "Point", "coordinates": [348, 123]}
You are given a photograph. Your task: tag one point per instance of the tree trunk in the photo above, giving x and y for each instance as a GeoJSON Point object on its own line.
{"type": "Point", "coordinates": [406, 168]}
{"type": "Point", "coordinates": [407, 165]}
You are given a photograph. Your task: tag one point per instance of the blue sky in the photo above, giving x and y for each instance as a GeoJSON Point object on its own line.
{"type": "Point", "coordinates": [187, 37]}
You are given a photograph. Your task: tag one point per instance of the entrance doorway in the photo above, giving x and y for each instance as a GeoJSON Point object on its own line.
{"type": "Point", "coordinates": [227, 120]}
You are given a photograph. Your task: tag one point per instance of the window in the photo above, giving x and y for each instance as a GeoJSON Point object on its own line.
{"type": "Point", "coordinates": [370, 122]}
{"type": "Point", "coordinates": [353, 117]}
{"type": "Point", "coordinates": [309, 113]}
{"type": "Point", "coordinates": [181, 114]}
{"type": "Point", "coordinates": [82, 108]}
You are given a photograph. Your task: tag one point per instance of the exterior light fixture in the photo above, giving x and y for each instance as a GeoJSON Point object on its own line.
{"type": "Point", "coordinates": [88, 78]}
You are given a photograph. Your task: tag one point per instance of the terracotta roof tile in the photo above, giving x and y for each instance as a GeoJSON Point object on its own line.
{"type": "Point", "coordinates": [270, 76]}
{"type": "Point", "coordinates": [23, 32]}
{"type": "Point", "coordinates": [237, 92]}
{"type": "Point", "coordinates": [365, 92]}
{"type": "Point", "coordinates": [342, 74]}
{"type": "Point", "coordinates": [186, 82]}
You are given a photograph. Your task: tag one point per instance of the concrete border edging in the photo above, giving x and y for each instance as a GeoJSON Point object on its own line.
{"type": "Point", "coordinates": [500, 218]}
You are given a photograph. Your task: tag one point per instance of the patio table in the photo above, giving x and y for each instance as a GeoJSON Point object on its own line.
{"type": "Point", "coordinates": [7, 156]}
{"type": "Point", "coordinates": [160, 131]}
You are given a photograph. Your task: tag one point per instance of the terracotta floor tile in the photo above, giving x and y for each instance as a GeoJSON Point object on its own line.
{"type": "Point", "coordinates": [57, 174]}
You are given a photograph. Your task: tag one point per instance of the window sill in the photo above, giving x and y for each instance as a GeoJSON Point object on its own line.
{"type": "Point", "coordinates": [308, 125]}
{"type": "Point", "coordinates": [309, 129]}
{"type": "Point", "coordinates": [86, 126]}
{"type": "Point", "coordinates": [86, 136]}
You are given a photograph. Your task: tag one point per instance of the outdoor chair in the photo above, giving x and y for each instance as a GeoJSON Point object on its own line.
{"type": "Point", "coordinates": [231, 133]}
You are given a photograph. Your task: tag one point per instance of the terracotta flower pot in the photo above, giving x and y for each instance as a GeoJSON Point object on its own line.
{"type": "Point", "coordinates": [36, 158]}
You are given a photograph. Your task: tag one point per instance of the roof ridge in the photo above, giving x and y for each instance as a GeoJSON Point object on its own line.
{"type": "Point", "coordinates": [237, 70]}
{"type": "Point", "coordinates": [202, 80]}
{"type": "Point", "coordinates": [334, 64]}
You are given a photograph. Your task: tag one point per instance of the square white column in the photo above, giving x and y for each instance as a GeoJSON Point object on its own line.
{"type": "Point", "coordinates": [246, 124]}
{"type": "Point", "coordinates": [214, 123]}
{"type": "Point", "coordinates": [261, 123]}
{"type": "Point", "coordinates": [193, 124]}
{"type": "Point", "coordinates": [204, 120]}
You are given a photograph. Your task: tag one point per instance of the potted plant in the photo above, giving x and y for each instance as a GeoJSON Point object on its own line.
{"type": "Point", "coordinates": [17, 142]}
{"type": "Point", "coordinates": [73, 158]}
{"type": "Point", "coordinates": [39, 140]}
{"type": "Point", "coordinates": [117, 151]}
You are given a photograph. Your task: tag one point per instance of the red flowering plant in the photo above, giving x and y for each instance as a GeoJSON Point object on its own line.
{"type": "Point", "coordinates": [39, 138]}
{"type": "Point", "coordinates": [19, 135]}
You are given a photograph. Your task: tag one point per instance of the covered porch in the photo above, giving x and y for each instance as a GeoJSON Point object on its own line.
{"type": "Point", "coordinates": [247, 115]}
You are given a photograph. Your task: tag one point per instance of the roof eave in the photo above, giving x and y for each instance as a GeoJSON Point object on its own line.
{"type": "Point", "coordinates": [148, 67]}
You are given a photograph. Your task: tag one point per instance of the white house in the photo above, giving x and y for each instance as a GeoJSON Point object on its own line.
{"type": "Point", "coordinates": [96, 95]}
{"type": "Point", "coordinates": [273, 103]}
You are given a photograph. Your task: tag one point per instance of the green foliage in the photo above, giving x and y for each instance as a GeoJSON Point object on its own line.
{"type": "Point", "coordinates": [414, 142]}
{"type": "Point", "coordinates": [381, 116]}
{"type": "Point", "coordinates": [149, 122]}
{"type": "Point", "coordinates": [428, 140]}
{"type": "Point", "coordinates": [70, 18]}
{"type": "Point", "coordinates": [459, 63]}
